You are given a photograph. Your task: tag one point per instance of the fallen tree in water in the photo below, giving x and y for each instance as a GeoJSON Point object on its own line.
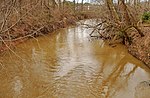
{"type": "Point", "coordinates": [138, 44]}
{"type": "Point", "coordinates": [119, 24]}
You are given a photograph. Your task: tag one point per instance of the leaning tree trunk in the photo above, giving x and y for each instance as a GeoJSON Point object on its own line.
{"type": "Point", "coordinates": [74, 7]}
{"type": "Point", "coordinates": [64, 4]}
{"type": "Point", "coordinates": [124, 12]}
{"type": "Point", "coordinates": [54, 4]}
{"type": "Point", "coordinates": [114, 15]}
{"type": "Point", "coordinates": [82, 5]}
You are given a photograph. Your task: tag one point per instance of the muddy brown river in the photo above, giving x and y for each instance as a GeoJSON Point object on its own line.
{"type": "Point", "coordinates": [69, 64]}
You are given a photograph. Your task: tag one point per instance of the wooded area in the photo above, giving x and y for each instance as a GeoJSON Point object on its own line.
{"type": "Point", "coordinates": [74, 48]}
{"type": "Point", "coordinates": [21, 19]}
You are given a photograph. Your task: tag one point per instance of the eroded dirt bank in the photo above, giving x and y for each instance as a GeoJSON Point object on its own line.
{"type": "Point", "coordinates": [140, 47]}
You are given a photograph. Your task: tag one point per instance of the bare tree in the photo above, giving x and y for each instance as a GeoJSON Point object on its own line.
{"type": "Point", "coordinates": [113, 12]}
{"type": "Point", "coordinates": [82, 5]}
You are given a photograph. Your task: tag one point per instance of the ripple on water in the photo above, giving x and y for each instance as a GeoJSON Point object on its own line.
{"type": "Point", "coordinates": [69, 64]}
{"type": "Point", "coordinates": [17, 86]}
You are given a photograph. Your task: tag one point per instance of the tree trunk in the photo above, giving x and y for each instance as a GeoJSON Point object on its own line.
{"type": "Point", "coordinates": [20, 12]}
{"type": "Point", "coordinates": [82, 5]}
{"type": "Point", "coordinates": [64, 4]}
{"type": "Point", "coordinates": [60, 4]}
{"type": "Point", "coordinates": [113, 12]}
{"type": "Point", "coordinates": [74, 7]}
{"type": "Point", "coordinates": [139, 31]}
{"type": "Point", "coordinates": [124, 12]}
{"type": "Point", "coordinates": [108, 6]}
{"type": "Point", "coordinates": [54, 4]}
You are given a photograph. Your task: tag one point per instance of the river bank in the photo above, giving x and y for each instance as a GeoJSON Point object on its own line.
{"type": "Point", "coordinates": [140, 47]}
{"type": "Point", "coordinates": [66, 61]}
{"type": "Point", "coordinates": [26, 29]}
{"type": "Point", "coordinates": [137, 45]}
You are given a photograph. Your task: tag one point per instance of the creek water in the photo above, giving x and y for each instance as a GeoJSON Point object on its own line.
{"type": "Point", "coordinates": [69, 64]}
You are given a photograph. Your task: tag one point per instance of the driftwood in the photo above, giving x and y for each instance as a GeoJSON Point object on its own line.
{"type": "Point", "coordinates": [108, 30]}
{"type": "Point", "coordinates": [97, 27]}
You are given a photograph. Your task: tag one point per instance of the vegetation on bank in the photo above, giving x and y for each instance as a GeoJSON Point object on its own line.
{"type": "Point", "coordinates": [146, 17]}
{"type": "Point", "coordinates": [121, 21]}
{"type": "Point", "coordinates": [128, 23]}
{"type": "Point", "coordinates": [23, 19]}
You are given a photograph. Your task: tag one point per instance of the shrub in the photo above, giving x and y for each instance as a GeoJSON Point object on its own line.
{"type": "Point", "coordinates": [146, 17]}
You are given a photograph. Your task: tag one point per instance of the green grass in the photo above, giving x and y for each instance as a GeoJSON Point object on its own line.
{"type": "Point", "coordinates": [146, 17]}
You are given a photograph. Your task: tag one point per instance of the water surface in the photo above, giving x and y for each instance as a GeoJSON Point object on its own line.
{"type": "Point", "coordinates": [69, 64]}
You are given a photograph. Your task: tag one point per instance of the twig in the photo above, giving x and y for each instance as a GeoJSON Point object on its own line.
{"type": "Point", "coordinates": [6, 15]}
{"type": "Point", "coordinates": [2, 66]}
{"type": "Point", "coordinates": [11, 49]}
{"type": "Point", "coordinates": [17, 20]}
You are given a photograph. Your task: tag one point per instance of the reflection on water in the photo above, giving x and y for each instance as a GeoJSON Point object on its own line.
{"type": "Point", "coordinates": [69, 64]}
